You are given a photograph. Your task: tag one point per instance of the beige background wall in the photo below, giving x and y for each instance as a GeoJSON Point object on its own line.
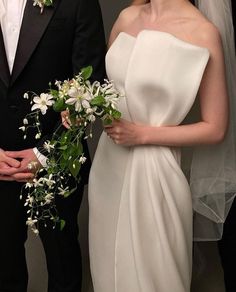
{"type": "Point", "coordinates": [207, 275]}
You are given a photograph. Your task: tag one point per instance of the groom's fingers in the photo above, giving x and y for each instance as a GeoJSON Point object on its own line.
{"type": "Point", "coordinates": [5, 169]}
{"type": "Point", "coordinates": [12, 162]}
{"type": "Point", "coordinates": [28, 159]}
{"type": "Point", "coordinates": [4, 159]}
{"type": "Point", "coordinates": [23, 176]}
{"type": "Point", "coordinates": [16, 154]}
{"type": "Point", "coordinates": [6, 178]}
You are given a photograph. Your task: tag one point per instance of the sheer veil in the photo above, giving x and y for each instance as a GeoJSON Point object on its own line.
{"type": "Point", "coordinates": [213, 168]}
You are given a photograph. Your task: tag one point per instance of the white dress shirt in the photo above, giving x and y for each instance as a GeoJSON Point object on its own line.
{"type": "Point", "coordinates": [11, 15]}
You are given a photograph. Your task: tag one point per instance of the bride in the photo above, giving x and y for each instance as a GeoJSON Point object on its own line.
{"type": "Point", "coordinates": [162, 53]}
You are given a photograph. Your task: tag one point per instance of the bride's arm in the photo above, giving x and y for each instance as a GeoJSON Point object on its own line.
{"type": "Point", "coordinates": [214, 111]}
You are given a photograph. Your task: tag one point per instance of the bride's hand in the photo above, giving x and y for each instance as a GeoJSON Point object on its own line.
{"type": "Point", "coordinates": [124, 132]}
{"type": "Point", "coordinates": [65, 119]}
{"type": "Point", "coordinates": [66, 122]}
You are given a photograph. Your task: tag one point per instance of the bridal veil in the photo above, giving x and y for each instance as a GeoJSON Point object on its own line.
{"type": "Point", "coordinates": [213, 168]}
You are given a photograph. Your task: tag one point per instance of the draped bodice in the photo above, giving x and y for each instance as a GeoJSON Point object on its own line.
{"type": "Point", "coordinates": [139, 199]}
{"type": "Point", "coordinates": [158, 74]}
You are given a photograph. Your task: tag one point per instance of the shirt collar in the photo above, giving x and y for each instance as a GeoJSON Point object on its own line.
{"type": "Point", "coordinates": [2, 9]}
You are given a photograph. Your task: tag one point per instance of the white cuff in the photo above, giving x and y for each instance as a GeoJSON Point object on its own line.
{"type": "Point", "coordinates": [41, 158]}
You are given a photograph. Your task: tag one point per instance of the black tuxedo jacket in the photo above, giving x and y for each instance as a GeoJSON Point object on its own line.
{"type": "Point", "coordinates": [234, 17]}
{"type": "Point", "coordinates": [52, 46]}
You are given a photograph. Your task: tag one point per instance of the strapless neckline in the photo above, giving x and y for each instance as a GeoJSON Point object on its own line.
{"type": "Point", "coordinates": [158, 32]}
{"type": "Point", "coordinates": [140, 201]}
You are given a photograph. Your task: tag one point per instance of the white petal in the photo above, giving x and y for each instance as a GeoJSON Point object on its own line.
{"type": "Point", "coordinates": [71, 100]}
{"type": "Point", "coordinates": [35, 106]}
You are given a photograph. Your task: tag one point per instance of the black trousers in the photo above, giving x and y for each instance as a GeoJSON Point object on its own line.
{"type": "Point", "coordinates": [61, 247]}
{"type": "Point", "coordinates": [227, 250]}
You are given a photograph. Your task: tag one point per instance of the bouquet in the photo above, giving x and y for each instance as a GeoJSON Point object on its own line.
{"type": "Point", "coordinates": [84, 102]}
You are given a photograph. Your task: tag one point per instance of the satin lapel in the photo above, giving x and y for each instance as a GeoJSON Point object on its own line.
{"type": "Point", "coordinates": [4, 68]}
{"type": "Point", "coordinates": [33, 26]}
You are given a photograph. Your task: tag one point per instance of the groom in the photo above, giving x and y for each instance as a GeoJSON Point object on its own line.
{"type": "Point", "coordinates": [53, 44]}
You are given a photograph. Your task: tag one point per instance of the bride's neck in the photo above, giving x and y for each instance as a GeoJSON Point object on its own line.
{"type": "Point", "coordinates": [158, 8]}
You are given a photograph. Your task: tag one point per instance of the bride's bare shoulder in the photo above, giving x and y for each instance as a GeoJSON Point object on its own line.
{"type": "Point", "coordinates": [202, 30]}
{"type": "Point", "coordinates": [125, 19]}
{"type": "Point", "coordinates": [127, 16]}
{"type": "Point", "coordinates": [130, 13]}
{"type": "Point", "coordinates": [207, 35]}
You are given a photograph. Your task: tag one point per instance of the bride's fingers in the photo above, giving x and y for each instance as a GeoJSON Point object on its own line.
{"type": "Point", "coordinates": [65, 117]}
{"type": "Point", "coordinates": [65, 123]}
{"type": "Point", "coordinates": [108, 126]}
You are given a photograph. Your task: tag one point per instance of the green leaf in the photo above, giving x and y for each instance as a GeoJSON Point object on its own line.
{"type": "Point", "coordinates": [86, 72]}
{"type": "Point", "coordinates": [54, 92]}
{"type": "Point", "coordinates": [66, 154]}
{"type": "Point", "coordinates": [63, 163]}
{"type": "Point", "coordinates": [48, 2]}
{"type": "Point", "coordinates": [64, 147]}
{"type": "Point", "coordinates": [116, 114]}
{"type": "Point", "coordinates": [74, 167]}
{"type": "Point", "coordinates": [59, 105]}
{"type": "Point", "coordinates": [107, 121]}
{"type": "Point", "coordinates": [79, 148]}
{"type": "Point", "coordinates": [98, 100]}
{"type": "Point", "coordinates": [62, 224]}
{"type": "Point", "coordinates": [70, 192]}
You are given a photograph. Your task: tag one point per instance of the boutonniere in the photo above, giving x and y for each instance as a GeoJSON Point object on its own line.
{"type": "Point", "coordinates": [42, 3]}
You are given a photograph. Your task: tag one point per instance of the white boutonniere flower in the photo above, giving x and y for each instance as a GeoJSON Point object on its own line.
{"type": "Point", "coordinates": [42, 3]}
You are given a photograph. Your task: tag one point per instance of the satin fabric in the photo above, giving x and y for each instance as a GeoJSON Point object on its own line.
{"type": "Point", "coordinates": [140, 223]}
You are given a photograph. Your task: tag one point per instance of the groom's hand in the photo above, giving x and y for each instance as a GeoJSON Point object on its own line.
{"type": "Point", "coordinates": [29, 164]}
{"type": "Point", "coordinates": [8, 166]}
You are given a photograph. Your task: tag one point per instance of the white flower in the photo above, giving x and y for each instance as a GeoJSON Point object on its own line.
{"type": "Point", "coordinates": [82, 159]}
{"type": "Point", "coordinates": [42, 102]}
{"type": "Point", "coordinates": [49, 181]}
{"type": "Point", "coordinates": [42, 3]}
{"type": "Point", "coordinates": [58, 84]}
{"type": "Point", "coordinates": [35, 230]}
{"type": "Point", "coordinates": [25, 121]}
{"type": "Point", "coordinates": [111, 95]}
{"type": "Point", "coordinates": [38, 136]}
{"type": "Point", "coordinates": [30, 222]}
{"type": "Point", "coordinates": [62, 191]}
{"type": "Point", "coordinates": [48, 146]}
{"type": "Point", "coordinates": [28, 185]}
{"type": "Point", "coordinates": [85, 104]}
{"type": "Point", "coordinates": [26, 95]}
{"type": "Point", "coordinates": [90, 110]}
{"type": "Point", "coordinates": [91, 118]}
{"type": "Point", "coordinates": [76, 102]}
{"type": "Point", "coordinates": [95, 86]}
{"type": "Point", "coordinates": [48, 198]}
{"type": "Point", "coordinates": [79, 97]}
{"type": "Point", "coordinates": [111, 100]}
{"type": "Point", "coordinates": [38, 3]}
{"type": "Point", "coordinates": [22, 128]}
{"type": "Point", "coordinates": [29, 201]}
{"type": "Point", "coordinates": [73, 92]}
{"type": "Point", "coordinates": [38, 182]}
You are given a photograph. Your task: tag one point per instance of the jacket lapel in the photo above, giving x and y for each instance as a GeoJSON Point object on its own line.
{"type": "Point", "coordinates": [4, 68]}
{"type": "Point", "coordinates": [33, 26]}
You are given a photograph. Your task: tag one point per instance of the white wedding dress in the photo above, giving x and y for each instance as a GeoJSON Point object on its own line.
{"type": "Point", "coordinates": [140, 223]}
